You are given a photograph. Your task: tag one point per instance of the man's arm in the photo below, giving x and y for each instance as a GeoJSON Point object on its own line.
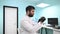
{"type": "Point", "coordinates": [29, 27]}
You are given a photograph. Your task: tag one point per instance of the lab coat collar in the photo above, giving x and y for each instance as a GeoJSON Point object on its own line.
{"type": "Point", "coordinates": [28, 16]}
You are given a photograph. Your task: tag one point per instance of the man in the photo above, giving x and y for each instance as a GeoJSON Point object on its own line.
{"type": "Point", "coordinates": [27, 25]}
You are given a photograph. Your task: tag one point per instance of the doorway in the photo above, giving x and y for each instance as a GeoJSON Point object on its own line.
{"type": "Point", "coordinates": [10, 20]}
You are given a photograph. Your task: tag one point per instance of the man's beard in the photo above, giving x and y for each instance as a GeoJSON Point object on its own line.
{"type": "Point", "coordinates": [30, 15]}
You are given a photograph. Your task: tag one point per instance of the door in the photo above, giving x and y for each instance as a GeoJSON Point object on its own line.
{"type": "Point", "coordinates": [10, 20]}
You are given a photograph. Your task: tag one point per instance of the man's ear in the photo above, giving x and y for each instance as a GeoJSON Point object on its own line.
{"type": "Point", "coordinates": [27, 12]}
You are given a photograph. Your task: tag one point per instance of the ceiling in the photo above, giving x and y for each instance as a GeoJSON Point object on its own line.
{"type": "Point", "coordinates": [35, 2]}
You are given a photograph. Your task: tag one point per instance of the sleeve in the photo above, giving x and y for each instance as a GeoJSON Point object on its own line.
{"type": "Point", "coordinates": [29, 27]}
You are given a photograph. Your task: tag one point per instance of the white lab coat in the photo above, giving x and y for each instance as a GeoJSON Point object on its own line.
{"type": "Point", "coordinates": [28, 26]}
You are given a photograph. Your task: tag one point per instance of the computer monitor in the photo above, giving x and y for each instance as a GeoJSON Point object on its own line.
{"type": "Point", "coordinates": [53, 21]}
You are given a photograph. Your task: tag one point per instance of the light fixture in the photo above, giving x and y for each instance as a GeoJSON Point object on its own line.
{"type": "Point", "coordinates": [42, 5]}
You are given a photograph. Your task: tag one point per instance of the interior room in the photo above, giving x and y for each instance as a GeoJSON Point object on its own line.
{"type": "Point", "coordinates": [46, 8]}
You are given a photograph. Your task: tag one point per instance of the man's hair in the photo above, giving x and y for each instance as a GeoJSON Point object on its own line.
{"type": "Point", "coordinates": [29, 8]}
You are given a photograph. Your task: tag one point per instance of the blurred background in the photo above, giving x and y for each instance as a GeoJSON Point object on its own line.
{"type": "Point", "coordinates": [46, 8]}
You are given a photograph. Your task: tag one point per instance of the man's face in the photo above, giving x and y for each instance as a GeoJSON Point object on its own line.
{"type": "Point", "coordinates": [31, 13]}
